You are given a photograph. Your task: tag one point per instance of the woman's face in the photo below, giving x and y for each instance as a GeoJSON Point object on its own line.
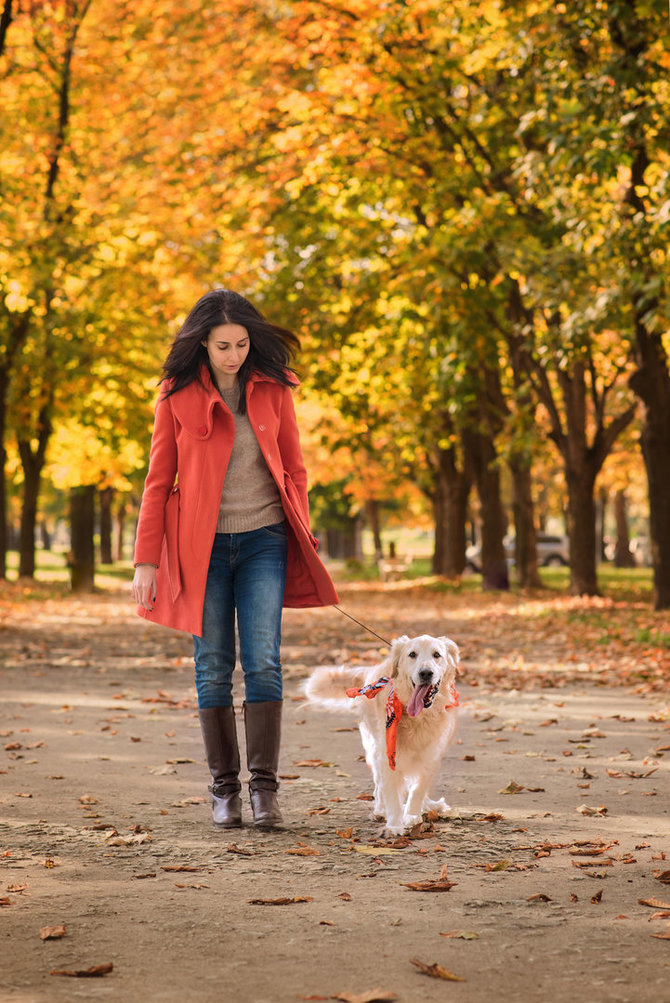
{"type": "Point", "coordinates": [227, 347]}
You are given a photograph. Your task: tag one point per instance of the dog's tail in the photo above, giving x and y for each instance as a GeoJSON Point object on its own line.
{"type": "Point", "coordinates": [327, 686]}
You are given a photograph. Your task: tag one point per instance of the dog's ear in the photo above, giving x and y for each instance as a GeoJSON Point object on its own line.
{"type": "Point", "coordinates": [396, 651]}
{"type": "Point", "coordinates": [453, 655]}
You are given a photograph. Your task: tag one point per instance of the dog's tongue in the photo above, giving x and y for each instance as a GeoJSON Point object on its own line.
{"type": "Point", "coordinates": [415, 706]}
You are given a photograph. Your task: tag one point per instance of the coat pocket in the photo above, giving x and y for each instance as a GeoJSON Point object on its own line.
{"type": "Point", "coordinates": [171, 544]}
{"type": "Point", "coordinates": [296, 502]}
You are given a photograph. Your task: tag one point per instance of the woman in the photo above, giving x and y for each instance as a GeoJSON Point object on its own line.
{"type": "Point", "coordinates": [223, 532]}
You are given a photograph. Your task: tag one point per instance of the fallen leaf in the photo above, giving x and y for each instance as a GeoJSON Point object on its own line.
{"type": "Point", "coordinates": [345, 896]}
{"type": "Point", "coordinates": [192, 885]}
{"type": "Point", "coordinates": [512, 788]}
{"type": "Point", "coordinates": [540, 897]}
{"type": "Point", "coordinates": [654, 903]}
{"type": "Point", "coordinates": [438, 885]}
{"type": "Point", "coordinates": [136, 840]}
{"type": "Point", "coordinates": [375, 851]}
{"type": "Point", "coordinates": [52, 932]}
{"type": "Point", "coordinates": [318, 811]}
{"type": "Point", "coordinates": [597, 897]}
{"type": "Point", "coordinates": [94, 972]}
{"type": "Point", "coordinates": [283, 901]}
{"type": "Point", "coordinates": [313, 762]}
{"type": "Point", "coordinates": [585, 809]}
{"type": "Point", "coordinates": [662, 936]}
{"type": "Point", "coordinates": [303, 850]}
{"type": "Point", "coordinates": [436, 971]}
{"type": "Point", "coordinates": [345, 833]}
{"type": "Point", "coordinates": [234, 848]}
{"type": "Point", "coordinates": [595, 852]}
{"type": "Point", "coordinates": [664, 876]}
{"type": "Point", "coordinates": [372, 996]}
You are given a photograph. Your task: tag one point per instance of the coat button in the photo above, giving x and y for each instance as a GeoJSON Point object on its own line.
{"type": "Point", "coordinates": [261, 428]}
{"type": "Point", "coordinates": [202, 430]}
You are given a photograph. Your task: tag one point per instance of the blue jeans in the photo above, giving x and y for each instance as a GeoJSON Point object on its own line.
{"type": "Point", "coordinates": [247, 574]}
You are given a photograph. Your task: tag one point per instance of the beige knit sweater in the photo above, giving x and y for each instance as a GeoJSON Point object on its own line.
{"type": "Point", "coordinates": [250, 498]}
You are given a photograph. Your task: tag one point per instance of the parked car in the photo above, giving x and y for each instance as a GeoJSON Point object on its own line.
{"type": "Point", "coordinates": [552, 551]}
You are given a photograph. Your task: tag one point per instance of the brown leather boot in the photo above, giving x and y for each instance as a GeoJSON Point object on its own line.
{"type": "Point", "coordinates": [219, 734]}
{"type": "Point", "coordinates": [263, 730]}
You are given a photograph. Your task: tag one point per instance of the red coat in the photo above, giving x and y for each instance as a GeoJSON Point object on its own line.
{"type": "Point", "coordinates": [190, 449]}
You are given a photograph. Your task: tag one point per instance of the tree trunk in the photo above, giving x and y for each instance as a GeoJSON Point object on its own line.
{"type": "Point", "coordinates": [4, 532]}
{"type": "Point", "coordinates": [372, 517]}
{"type": "Point", "coordinates": [654, 440]}
{"type": "Point", "coordinates": [32, 462]}
{"type": "Point", "coordinates": [120, 528]}
{"type": "Point", "coordinates": [450, 501]}
{"type": "Point", "coordinates": [5, 20]}
{"type": "Point", "coordinates": [82, 521]}
{"type": "Point", "coordinates": [630, 31]}
{"type": "Point", "coordinates": [481, 453]}
{"type": "Point", "coordinates": [651, 383]}
{"type": "Point", "coordinates": [622, 555]}
{"type": "Point", "coordinates": [525, 548]}
{"type": "Point", "coordinates": [106, 496]}
{"type": "Point", "coordinates": [581, 519]}
{"type": "Point", "coordinates": [31, 490]}
{"type": "Point", "coordinates": [345, 543]}
{"type": "Point", "coordinates": [18, 326]}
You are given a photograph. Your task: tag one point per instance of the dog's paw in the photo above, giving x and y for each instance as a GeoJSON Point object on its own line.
{"type": "Point", "coordinates": [412, 820]}
{"type": "Point", "coordinates": [393, 829]}
{"type": "Point", "coordinates": [441, 806]}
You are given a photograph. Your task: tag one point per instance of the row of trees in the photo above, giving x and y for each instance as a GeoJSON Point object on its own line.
{"type": "Point", "coordinates": [462, 208]}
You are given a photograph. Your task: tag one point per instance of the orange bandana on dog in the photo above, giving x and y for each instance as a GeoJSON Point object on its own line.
{"type": "Point", "coordinates": [393, 711]}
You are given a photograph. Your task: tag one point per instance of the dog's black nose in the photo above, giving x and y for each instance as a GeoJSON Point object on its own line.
{"type": "Point", "coordinates": [426, 675]}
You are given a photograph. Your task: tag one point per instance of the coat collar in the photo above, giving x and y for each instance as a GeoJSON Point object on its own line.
{"type": "Point", "coordinates": [194, 405]}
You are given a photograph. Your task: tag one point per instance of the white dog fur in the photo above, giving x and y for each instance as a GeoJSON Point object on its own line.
{"type": "Point", "coordinates": [413, 664]}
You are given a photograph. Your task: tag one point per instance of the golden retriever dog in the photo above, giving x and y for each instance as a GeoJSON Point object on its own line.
{"type": "Point", "coordinates": [406, 709]}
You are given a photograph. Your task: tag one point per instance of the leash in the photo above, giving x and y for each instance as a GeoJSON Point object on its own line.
{"type": "Point", "coordinates": [364, 626]}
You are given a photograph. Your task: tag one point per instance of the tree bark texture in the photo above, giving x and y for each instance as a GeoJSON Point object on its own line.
{"type": "Point", "coordinates": [105, 497]}
{"type": "Point", "coordinates": [525, 547]}
{"type": "Point", "coordinates": [450, 500]}
{"type": "Point", "coordinates": [82, 523]}
{"type": "Point", "coordinates": [622, 555]}
{"type": "Point", "coordinates": [480, 449]}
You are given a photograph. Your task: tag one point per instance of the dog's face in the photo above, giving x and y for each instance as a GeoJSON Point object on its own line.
{"type": "Point", "coordinates": [422, 667]}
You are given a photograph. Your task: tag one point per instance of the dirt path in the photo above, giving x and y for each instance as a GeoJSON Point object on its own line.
{"type": "Point", "coordinates": [104, 825]}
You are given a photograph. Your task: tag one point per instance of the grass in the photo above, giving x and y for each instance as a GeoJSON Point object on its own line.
{"type": "Point", "coordinates": [52, 573]}
{"type": "Point", "coordinates": [630, 585]}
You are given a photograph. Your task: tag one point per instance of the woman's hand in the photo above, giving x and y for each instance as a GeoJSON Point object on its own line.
{"type": "Point", "coordinates": [144, 586]}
